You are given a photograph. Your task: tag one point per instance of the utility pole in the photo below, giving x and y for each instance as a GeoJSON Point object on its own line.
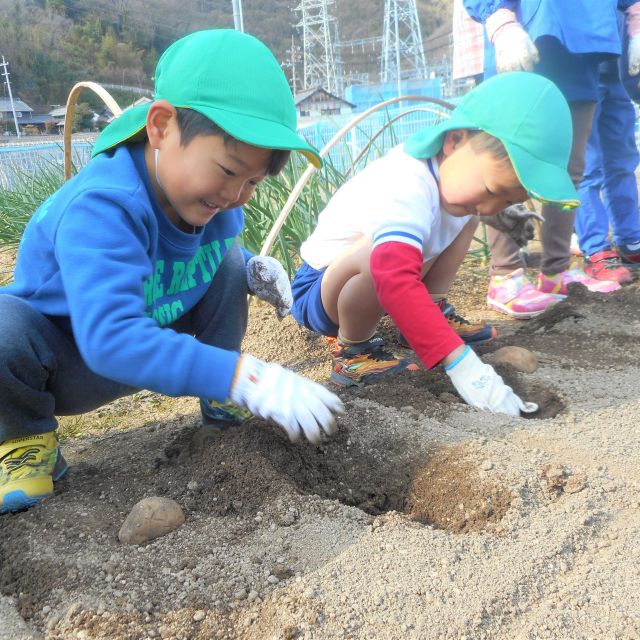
{"type": "Point", "coordinates": [293, 53]}
{"type": "Point", "coordinates": [4, 64]}
{"type": "Point", "coordinates": [238, 20]}
{"type": "Point", "coordinates": [293, 66]}
{"type": "Point", "coordinates": [402, 43]}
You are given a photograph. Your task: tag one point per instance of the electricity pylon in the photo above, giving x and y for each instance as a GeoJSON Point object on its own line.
{"type": "Point", "coordinates": [319, 61]}
{"type": "Point", "coordinates": [402, 51]}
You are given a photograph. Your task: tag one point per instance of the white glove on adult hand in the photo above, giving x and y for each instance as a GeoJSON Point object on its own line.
{"type": "Point", "coordinates": [298, 405]}
{"type": "Point", "coordinates": [633, 53]}
{"type": "Point", "coordinates": [480, 386]}
{"type": "Point", "coordinates": [267, 279]}
{"type": "Point", "coordinates": [515, 50]}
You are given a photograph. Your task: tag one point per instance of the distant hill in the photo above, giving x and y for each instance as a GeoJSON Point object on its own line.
{"type": "Point", "coordinates": [50, 44]}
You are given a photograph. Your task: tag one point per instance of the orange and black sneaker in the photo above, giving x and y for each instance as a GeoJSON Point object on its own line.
{"type": "Point", "coordinates": [364, 362]}
{"type": "Point", "coordinates": [472, 333]}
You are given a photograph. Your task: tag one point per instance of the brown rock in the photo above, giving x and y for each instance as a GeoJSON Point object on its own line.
{"type": "Point", "coordinates": [150, 518]}
{"type": "Point", "coordinates": [519, 358]}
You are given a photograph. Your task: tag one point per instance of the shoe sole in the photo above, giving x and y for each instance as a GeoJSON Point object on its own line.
{"type": "Point", "coordinates": [27, 493]}
{"type": "Point", "coordinates": [476, 343]}
{"type": "Point", "coordinates": [621, 281]}
{"type": "Point", "coordinates": [344, 381]}
{"type": "Point", "coordinates": [518, 315]}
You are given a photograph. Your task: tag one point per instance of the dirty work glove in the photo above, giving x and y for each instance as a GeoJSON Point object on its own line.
{"type": "Point", "coordinates": [299, 406]}
{"type": "Point", "coordinates": [516, 221]}
{"type": "Point", "coordinates": [634, 55]}
{"type": "Point", "coordinates": [633, 30]}
{"type": "Point", "coordinates": [480, 386]}
{"type": "Point", "coordinates": [267, 279]}
{"type": "Point", "coordinates": [515, 51]}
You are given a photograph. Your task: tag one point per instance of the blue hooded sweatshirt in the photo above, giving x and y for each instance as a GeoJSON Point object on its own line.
{"type": "Point", "coordinates": [101, 258]}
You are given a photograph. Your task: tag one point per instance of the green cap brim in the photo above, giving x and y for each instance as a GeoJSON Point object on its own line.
{"type": "Point", "coordinates": [127, 126]}
{"type": "Point", "coordinates": [130, 125]}
{"type": "Point", "coordinates": [544, 182]}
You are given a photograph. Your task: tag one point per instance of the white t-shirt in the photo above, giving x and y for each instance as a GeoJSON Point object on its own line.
{"type": "Point", "coordinates": [395, 198]}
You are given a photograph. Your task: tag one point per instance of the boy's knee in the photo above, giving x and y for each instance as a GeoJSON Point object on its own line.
{"type": "Point", "coordinates": [21, 336]}
{"type": "Point", "coordinates": [14, 319]}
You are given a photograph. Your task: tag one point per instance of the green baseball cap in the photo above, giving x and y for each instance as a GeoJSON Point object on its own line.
{"type": "Point", "coordinates": [231, 78]}
{"type": "Point", "coordinates": [530, 116]}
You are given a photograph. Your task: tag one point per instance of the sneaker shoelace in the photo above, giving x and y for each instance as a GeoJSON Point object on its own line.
{"type": "Point", "coordinates": [373, 350]}
{"type": "Point", "coordinates": [610, 260]}
{"type": "Point", "coordinates": [379, 354]}
{"type": "Point", "coordinates": [454, 317]}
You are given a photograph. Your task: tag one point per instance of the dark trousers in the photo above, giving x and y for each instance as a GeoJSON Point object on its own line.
{"type": "Point", "coordinates": [42, 373]}
{"type": "Point", "coordinates": [577, 78]}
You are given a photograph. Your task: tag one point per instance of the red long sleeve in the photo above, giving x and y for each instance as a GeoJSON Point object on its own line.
{"type": "Point", "coordinates": [396, 270]}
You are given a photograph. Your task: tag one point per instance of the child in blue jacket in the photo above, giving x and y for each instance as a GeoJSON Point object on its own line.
{"type": "Point", "coordinates": [131, 276]}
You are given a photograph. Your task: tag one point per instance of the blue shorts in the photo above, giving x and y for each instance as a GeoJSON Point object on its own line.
{"type": "Point", "coordinates": [307, 301]}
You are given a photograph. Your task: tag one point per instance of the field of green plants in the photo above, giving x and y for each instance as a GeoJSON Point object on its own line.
{"type": "Point", "coordinates": [30, 188]}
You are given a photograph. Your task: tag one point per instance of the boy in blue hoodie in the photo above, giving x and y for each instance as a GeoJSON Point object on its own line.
{"type": "Point", "coordinates": [131, 277]}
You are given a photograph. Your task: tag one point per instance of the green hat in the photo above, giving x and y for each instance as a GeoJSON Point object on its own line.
{"type": "Point", "coordinates": [530, 116]}
{"type": "Point", "coordinates": [231, 78]}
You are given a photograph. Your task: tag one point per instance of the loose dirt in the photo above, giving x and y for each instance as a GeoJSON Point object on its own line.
{"type": "Point", "coordinates": [421, 518]}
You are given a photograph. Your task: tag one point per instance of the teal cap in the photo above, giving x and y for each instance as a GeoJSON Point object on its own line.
{"type": "Point", "coordinates": [231, 78]}
{"type": "Point", "coordinates": [531, 118]}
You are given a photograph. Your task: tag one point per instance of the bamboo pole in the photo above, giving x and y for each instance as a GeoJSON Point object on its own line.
{"type": "Point", "coordinates": [304, 178]}
{"type": "Point", "coordinates": [71, 107]}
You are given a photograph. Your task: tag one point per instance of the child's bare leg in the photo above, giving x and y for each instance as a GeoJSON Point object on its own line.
{"type": "Point", "coordinates": [348, 293]}
{"type": "Point", "coordinates": [441, 272]}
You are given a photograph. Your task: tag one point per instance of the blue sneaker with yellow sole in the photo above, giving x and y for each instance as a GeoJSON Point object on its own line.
{"type": "Point", "coordinates": [28, 468]}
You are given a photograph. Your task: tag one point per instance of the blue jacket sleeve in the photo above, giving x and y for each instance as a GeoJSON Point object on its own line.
{"type": "Point", "coordinates": [103, 279]}
{"type": "Point", "coordinates": [480, 10]}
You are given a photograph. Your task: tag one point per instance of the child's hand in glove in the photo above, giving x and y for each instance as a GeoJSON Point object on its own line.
{"type": "Point", "coordinates": [516, 221]}
{"type": "Point", "coordinates": [299, 406]}
{"type": "Point", "coordinates": [267, 279]}
{"type": "Point", "coordinates": [480, 386]}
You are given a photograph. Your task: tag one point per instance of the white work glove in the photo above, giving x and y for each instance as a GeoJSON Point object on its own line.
{"type": "Point", "coordinates": [516, 221]}
{"type": "Point", "coordinates": [633, 31]}
{"type": "Point", "coordinates": [515, 51]}
{"type": "Point", "coordinates": [299, 406]}
{"type": "Point", "coordinates": [267, 279]}
{"type": "Point", "coordinates": [633, 53]}
{"type": "Point", "coordinates": [480, 386]}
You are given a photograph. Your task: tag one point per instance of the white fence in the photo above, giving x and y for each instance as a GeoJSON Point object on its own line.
{"type": "Point", "coordinates": [27, 156]}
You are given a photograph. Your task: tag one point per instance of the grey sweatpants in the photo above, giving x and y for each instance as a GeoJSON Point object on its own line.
{"type": "Point", "coordinates": [558, 224]}
{"type": "Point", "coordinates": [42, 374]}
